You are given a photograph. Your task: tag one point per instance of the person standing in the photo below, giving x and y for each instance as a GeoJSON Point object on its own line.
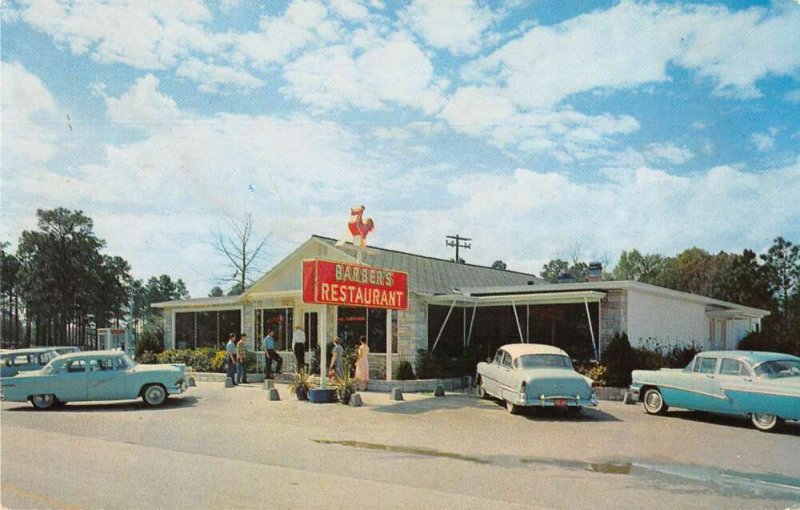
{"type": "Point", "coordinates": [230, 357]}
{"type": "Point", "coordinates": [337, 360]}
{"type": "Point", "coordinates": [241, 359]}
{"type": "Point", "coordinates": [362, 363]}
{"type": "Point", "coordinates": [299, 348]}
{"type": "Point", "coordinates": [271, 355]}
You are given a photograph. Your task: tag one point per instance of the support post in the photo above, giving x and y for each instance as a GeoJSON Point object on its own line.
{"type": "Point", "coordinates": [469, 336]}
{"type": "Point", "coordinates": [591, 329]}
{"type": "Point", "coordinates": [443, 325]}
{"type": "Point", "coordinates": [389, 345]}
{"type": "Point", "coordinates": [599, 329]}
{"type": "Point", "coordinates": [516, 316]}
{"type": "Point", "coordinates": [322, 337]}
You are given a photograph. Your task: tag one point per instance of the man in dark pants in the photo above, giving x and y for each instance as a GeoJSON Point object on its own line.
{"type": "Point", "coordinates": [230, 357]}
{"type": "Point", "coordinates": [299, 348]}
{"type": "Point", "coordinates": [270, 355]}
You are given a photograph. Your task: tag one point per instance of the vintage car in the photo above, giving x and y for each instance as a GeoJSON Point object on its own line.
{"type": "Point", "coordinates": [94, 375]}
{"type": "Point", "coordinates": [764, 386]}
{"type": "Point", "coordinates": [15, 361]}
{"type": "Point", "coordinates": [534, 375]}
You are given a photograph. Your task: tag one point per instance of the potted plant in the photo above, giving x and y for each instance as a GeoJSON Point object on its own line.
{"type": "Point", "coordinates": [300, 384]}
{"type": "Point", "coordinates": [345, 386]}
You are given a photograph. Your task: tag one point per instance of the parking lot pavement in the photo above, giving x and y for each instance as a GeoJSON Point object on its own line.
{"type": "Point", "coordinates": [456, 451]}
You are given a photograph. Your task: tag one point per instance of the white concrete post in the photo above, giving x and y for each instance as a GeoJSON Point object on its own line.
{"type": "Point", "coordinates": [322, 338]}
{"type": "Point", "coordinates": [388, 345]}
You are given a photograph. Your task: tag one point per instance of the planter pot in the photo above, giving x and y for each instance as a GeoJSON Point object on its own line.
{"type": "Point", "coordinates": [301, 393]}
{"type": "Point", "coordinates": [344, 396]}
{"type": "Point", "coordinates": [320, 396]}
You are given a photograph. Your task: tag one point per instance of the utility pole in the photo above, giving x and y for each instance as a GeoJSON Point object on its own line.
{"type": "Point", "coordinates": [457, 242]}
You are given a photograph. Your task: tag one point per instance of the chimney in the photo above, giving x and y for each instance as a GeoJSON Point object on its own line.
{"type": "Point", "coordinates": [594, 273]}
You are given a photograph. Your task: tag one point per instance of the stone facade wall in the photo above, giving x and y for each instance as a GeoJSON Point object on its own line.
{"type": "Point", "coordinates": [614, 316]}
{"type": "Point", "coordinates": [412, 328]}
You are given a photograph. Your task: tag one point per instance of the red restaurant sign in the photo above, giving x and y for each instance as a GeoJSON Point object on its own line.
{"type": "Point", "coordinates": [341, 283]}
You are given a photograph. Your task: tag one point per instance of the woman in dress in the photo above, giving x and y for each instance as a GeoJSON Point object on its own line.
{"type": "Point", "coordinates": [362, 363]}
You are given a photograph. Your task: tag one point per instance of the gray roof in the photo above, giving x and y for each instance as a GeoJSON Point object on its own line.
{"type": "Point", "coordinates": [428, 275]}
{"type": "Point", "coordinates": [206, 301]}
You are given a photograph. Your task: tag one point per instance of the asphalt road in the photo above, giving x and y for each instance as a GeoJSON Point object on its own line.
{"type": "Point", "coordinates": [231, 448]}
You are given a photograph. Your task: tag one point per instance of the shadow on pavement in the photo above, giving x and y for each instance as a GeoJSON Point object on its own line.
{"type": "Point", "coordinates": [171, 403]}
{"type": "Point", "coordinates": [791, 428]}
{"type": "Point", "coordinates": [451, 401]}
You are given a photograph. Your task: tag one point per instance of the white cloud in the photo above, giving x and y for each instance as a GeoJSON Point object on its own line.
{"type": "Point", "coordinates": [143, 106]}
{"type": "Point", "coordinates": [393, 71]}
{"type": "Point", "coordinates": [352, 10]}
{"type": "Point", "coordinates": [724, 208]}
{"type": "Point", "coordinates": [763, 141]}
{"type": "Point", "coordinates": [142, 34]}
{"type": "Point", "coordinates": [211, 76]}
{"type": "Point", "coordinates": [632, 44]}
{"type": "Point", "coordinates": [667, 152]}
{"type": "Point", "coordinates": [455, 25]}
{"type": "Point", "coordinates": [566, 135]}
{"type": "Point", "coordinates": [29, 116]}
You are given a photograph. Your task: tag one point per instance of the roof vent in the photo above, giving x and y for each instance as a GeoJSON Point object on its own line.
{"type": "Point", "coordinates": [594, 273]}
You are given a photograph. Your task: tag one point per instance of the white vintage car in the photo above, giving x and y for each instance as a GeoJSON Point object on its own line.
{"type": "Point", "coordinates": [94, 375]}
{"type": "Point", "coordinates": [534, 375]}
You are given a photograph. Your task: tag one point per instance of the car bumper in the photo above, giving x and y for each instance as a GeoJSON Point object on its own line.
{"type": "Point", "coordinates": [635, 390]}
{"type": "Point", "coordinates": [557, 401]}
{"type": "Point", "coordinates": [178, 389]}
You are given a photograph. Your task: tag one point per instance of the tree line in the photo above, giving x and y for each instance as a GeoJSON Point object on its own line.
{"type": "Point", "coordinates": [59, 287]}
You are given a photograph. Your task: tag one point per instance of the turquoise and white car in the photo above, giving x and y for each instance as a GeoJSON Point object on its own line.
{"type": "Point", "coordinates": [764, 386]}
{"type": "Point", "coordinates": [534, 375]}
{"type": "Point", "coordinates": [15, 361]}
{"type": "Point", "coordinates": [94, 375]}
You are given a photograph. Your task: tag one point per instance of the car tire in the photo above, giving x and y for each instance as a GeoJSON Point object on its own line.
{"type": "Point", "coordinates": [44, 401]}
{"type": "Point", "coordinates": [154, 394]}
{"type": "Point", "coordinates": [480, 390]}
{"type": "Point", "coordinates": [654, 402]}
{"type": "Point", "coordinates": [766, 422]}
{"type": "Point", "coordinates": [512, 407]}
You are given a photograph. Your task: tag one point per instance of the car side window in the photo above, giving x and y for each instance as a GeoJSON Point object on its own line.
{"type": "Point", "coordinates": [498, 357]}
{"type": "Point", "coordinates": [706, 365]}
{"type": "Point", "coordinates": [506, 361]}
{"type": "Point", "coordinates": [732, 367]}
{"type": "Point", "coordinates": [121, 364]}
{"type": "Point", "coordinates": [77, 365]}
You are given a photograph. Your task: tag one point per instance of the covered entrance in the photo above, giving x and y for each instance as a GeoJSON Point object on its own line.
{"type": "Point", "coordinates": [477, 324]}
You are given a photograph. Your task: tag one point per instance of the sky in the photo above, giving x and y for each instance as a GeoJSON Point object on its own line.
{"type": "Point", "coordinates": [539, 129]}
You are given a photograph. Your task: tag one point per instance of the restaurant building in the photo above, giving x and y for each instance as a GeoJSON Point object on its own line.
{"type": "Point", "coordinates": [404, 303]}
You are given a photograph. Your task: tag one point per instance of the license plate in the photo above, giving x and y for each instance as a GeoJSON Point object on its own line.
{"type": "Point", "coordinates": [560, 402]}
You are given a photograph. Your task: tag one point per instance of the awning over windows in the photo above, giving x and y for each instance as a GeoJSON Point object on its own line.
{"type": "Point", "coordinates": [537, 298]}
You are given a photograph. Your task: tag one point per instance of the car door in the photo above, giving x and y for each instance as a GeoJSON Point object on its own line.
{"type": "Point", "coordinates": [505, 377]}
{"type": "Point", "coordinates": [490, 377]}
{"type": "Point", "coordinates": [104, 380]}
{"type": "Point", "coordinates": [732, 373]}
{"type": "Point", "coordinates": [71, 381]}
{"type": "Point", "coordinates": [692, 389]}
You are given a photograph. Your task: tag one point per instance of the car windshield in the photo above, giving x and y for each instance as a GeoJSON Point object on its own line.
{"type": "Point", "coordinates": [779, 368]}
{"type": "Point", "coordinates": [543, 361]}
{"type": "Point", "coordinates": [124, 362]}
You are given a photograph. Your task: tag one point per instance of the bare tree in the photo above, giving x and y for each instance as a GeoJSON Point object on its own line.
{"type": "Point", "coordinates": [242, 251]}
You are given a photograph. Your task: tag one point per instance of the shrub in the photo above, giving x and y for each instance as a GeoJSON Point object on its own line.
{"type": "Point", "coordinates": [404, 371]}
{"type": "Point", "coordinates": [620, 359]}
{"type": "Point", "coordinates": [148, 345]}
{"type": "Point", "coordinates": [757, 341]}
{"type": "Point", "coordinates": [218, 362]}
{"type": "Point", "coordinates": [432, 366]}
{"type": "Point", "coordinates": [594, 371]}
{"type": "Point", "coordinates": [204, 359]}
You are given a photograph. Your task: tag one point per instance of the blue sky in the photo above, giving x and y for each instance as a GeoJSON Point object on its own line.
{"type": "Point", "coordinates": [538, 129]}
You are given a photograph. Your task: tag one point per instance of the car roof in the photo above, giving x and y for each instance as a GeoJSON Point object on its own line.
{"type": "Point", "coordinates": [751, 356]}
{"type": "Point", "coordinates": [517, 350]}
{"type": "Point", "coordinates": [31, 350]}
{"type": "Point", "coordinates": [82, 354]}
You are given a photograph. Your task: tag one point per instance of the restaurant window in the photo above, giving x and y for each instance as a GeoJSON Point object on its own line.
{"type": "Point", "coordinates": [353, 322]}
{"type": "Point", "coordinates": [206, 329]}
{"type": "Point", "coordinates": [280, 320]}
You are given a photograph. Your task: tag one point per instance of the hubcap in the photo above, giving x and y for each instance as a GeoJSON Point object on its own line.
{"type": "Point", "coordinates": [653, 401]}
{"type": "Point", "coordinates": [154, 395]}
{"type": "Point", "coordinates": [764, 420]}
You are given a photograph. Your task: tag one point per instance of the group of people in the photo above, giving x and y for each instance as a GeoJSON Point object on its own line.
{"type": "Point", "coordinates": [236, 357]}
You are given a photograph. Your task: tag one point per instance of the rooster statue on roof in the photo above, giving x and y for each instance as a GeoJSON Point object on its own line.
{"type": "Point", "coordinates": [358, 229]}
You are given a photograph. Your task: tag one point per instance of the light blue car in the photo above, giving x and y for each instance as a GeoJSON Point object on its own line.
{"type": "Point", "coordinates": [762, 385]}
{"type": "Point", "coordinates": [534, 375]}
{"type": "Point", "coordinates": [94, 375]}
{"type": "Point", "coordinates": [15, 361]}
